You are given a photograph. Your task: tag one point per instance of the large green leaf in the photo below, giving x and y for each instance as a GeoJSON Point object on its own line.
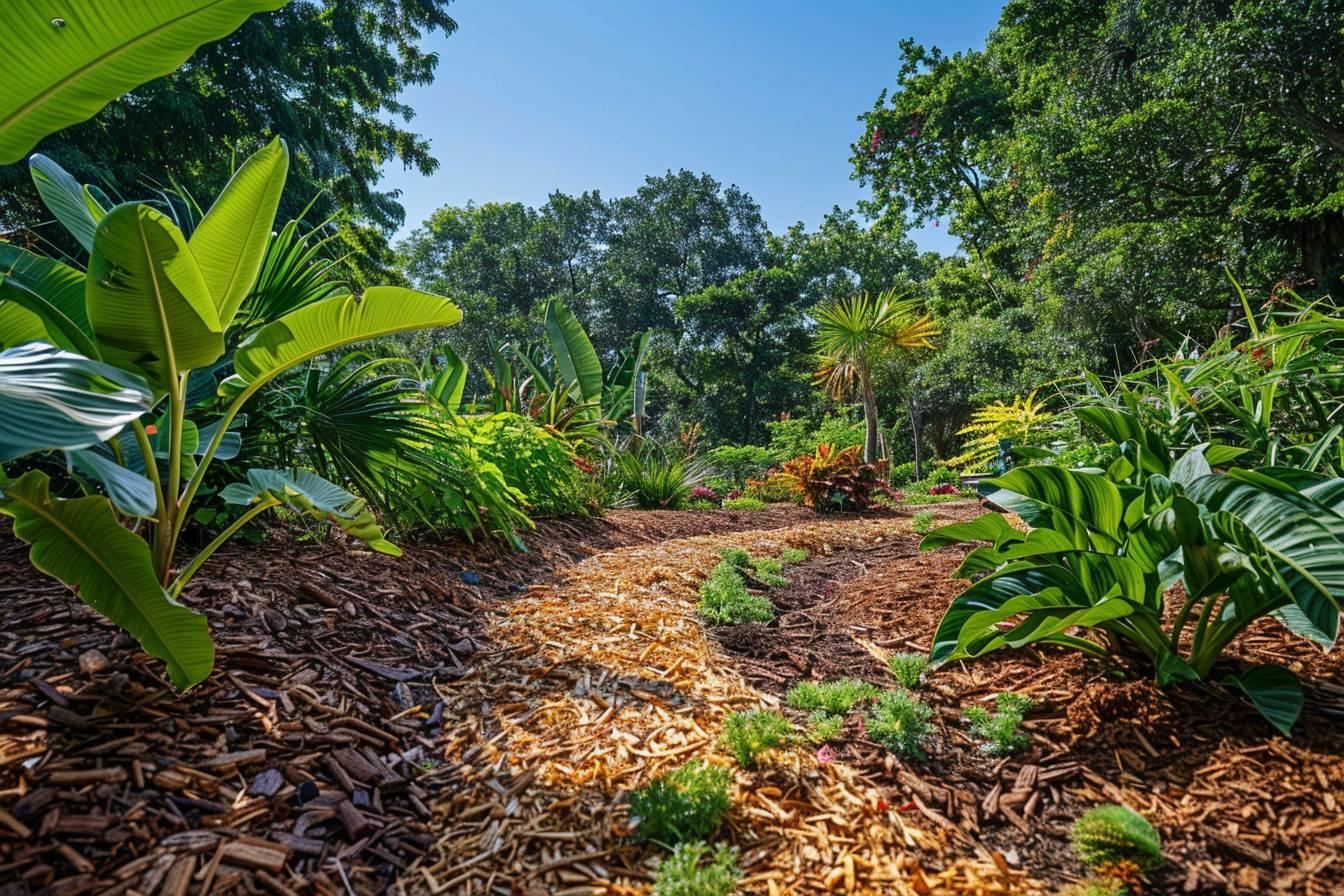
{"type": "Point", "coordinates": [331, 324]}
{"type": "Point", "coordinates": [307, 493]}
{"type": "Point", "coordinates": [80, 543]}
{"type": "Point", "coordinates": [52, 291]}
{"type": "Point", "coordinates": [991, 527]}
{"type": "Point", "coordinates": [64, 197]}
{"type": "Point", "coordinates": [450, 382]}
{"type": "Point", "coordinates": [148, 304]}
{"type": "Point", "coordinates": [230, 242]}
{"type": "Point", "coordinates": [54, 399]}
{"type": "Point", "coordinates": [990, 593]}
{"type": "Point", "coordinates": [128, 490]}
{"type": "Point", "coordinates": [573, 351]}
{"type": "Point", "coordinates": [64, 60]}
{"type": "Point", "coordinates": [1121, 427]}
{"type": "Point", "coordinates": [1084, 500]}
{"type": "Point", "coordinates": [1275, 691]}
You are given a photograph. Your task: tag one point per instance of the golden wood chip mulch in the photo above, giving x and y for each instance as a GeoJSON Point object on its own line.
{"type": "Point", "coordinates": [605, 679]}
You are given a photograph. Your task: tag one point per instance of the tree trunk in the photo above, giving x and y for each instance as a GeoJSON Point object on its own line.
{"type": "Point", "coordinates": [914, 426]}
{"type": "Point", "coordinates": [1322, 248]}
{"type": "Point", "coordinates": [869, 420]}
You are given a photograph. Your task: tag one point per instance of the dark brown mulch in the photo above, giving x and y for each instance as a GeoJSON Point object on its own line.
{"type": "Point", "coordinates": [1241, 810]}
{"type": "Point", "coordinates": [293, 768]}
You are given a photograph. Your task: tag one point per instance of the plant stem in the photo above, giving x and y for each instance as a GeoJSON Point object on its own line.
{"type": "Point", "coordinates": [151, 468]}
{"type": "Point", "coordinates": [199, 560]}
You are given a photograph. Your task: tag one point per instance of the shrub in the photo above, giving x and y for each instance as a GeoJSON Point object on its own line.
{"type": "Point", "coordinates": [903, 473]}
{"type": "Point", "coordinates": [900, 722]}
{"type": "Point", "coordinates": [1250, 544]}
{"type": "Point", "coordinates": [1000, 729]}
{"type": "Point", "coordinates": [684, 872]}
{"type": "Point", "coordinates": [796, 435]}
{"type": "Point", "coordinates": [1110, 835]}
{"type": "Point", "coordinates": [837, 478]}
{"type": "Point", "coordinates": [834, 697]}
{"type": "Point", "coordinates": [824, 726]}
{"type": "Point", "coordinates": [944, 488]}
{"type": "Point", "coordinates": [736, 556]}
{"type": "Point", "coordinates": [744, 504]}
{"type": "Point", "coordinates": [767, 570]}
{"type": "Point", "coordinates": [922, 522]}
{"type": "Point", "coordinates": [793, 555]}
{"type": "Point", "coordinates": [942, 475]}
{"type": "Point", "coordinates": [531, 459]}
{"type": "Point", "coordinates": [724, 599]}
{"type": "Point", "coordinates": [736, 464]}
{"type": "Point", "coordinates": [654, 477]}
{"type": "Point", "coordinates": [704, 494]}
{"type": "Point", "coordinates": [683, 805]}
{"type": "Point", "coordinates": [908, 669]}
{"type": "Point", "coordinates": [775, 488]}
{"type": "Point", "coordinates": [472, 493]}
{"type": "Point", "coordinates": [747, 735]}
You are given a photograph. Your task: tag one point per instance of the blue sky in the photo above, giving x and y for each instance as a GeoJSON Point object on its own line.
{"type": "Point", "coordinates": [534, 96]}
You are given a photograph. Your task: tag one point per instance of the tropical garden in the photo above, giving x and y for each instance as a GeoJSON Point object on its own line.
{"type": "Point", "coordinates": [624, 545]}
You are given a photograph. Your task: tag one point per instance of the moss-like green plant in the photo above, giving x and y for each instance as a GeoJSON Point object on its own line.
{"type": "Point", "coordinates": [1000, 730]}
{"type": "Point", "coordinates": [744, 503]}
{"type": "Point", "coordinates": [683, 805]}
{"type": "Point", "coordinates": [832, 697]}
{"type": "Point", "coordinates": [1109, 835]}
{"type": "Point", "coordinates": [724, 599]}
{"type": "Point", "coordinates": [685, 873]}
{"type": "Point", "coordinates": [767, 570]}
{"type": "Point", "coordinates": [736, 556]}
{"type": "Point", "coordinates": [793, 555]}
{"type": "Point", "coordinates": [748, 735]}
{"type": "Point", "coordinates": [824, 726]}
{"type": "Point", "coordinates": [908, 669]}
{"type": "Point", "coordinates": [900, 722]}
{"type": "Point", "coordinates": [922, 522]}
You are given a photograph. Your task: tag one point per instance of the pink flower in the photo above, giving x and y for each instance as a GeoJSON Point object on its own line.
{"type": "Point", "coordinates": [825, 755]}
{"type": "Point", "coordinates": [876, 141]}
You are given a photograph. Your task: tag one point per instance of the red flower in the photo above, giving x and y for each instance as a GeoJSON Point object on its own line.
{"type": "Point", "coordinates": [875, 142]}
{"type": "Point", "coordinates": [152, 430]}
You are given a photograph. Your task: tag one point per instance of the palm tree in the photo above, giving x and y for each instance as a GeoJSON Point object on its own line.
{"type": "Point", "coordinates": [853, 334]}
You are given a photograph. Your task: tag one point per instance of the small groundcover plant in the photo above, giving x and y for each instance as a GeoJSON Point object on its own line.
{"type": "Point", "coordinates": [686, 873]}
{"type": "Point", "coordinates": [1115, 840]}
{"type": "Point", "coordinates": [900, 722]}
{"type": "Point", "coordinates": [683, 805]}
{"type": "Point", "coordinates": [793, 555]}
{"type": "Point", "coordinates": [908, 669]}
{"type": "Point", "coordinates": [1000, 730]}
{"type": "Point", "coordinates": [748, 735]}
{"type": "Point", "coordinates": [831, 697]}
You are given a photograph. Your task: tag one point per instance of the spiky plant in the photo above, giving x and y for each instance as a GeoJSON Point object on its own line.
{"type": "Point", "coordinates": [1111, 835]}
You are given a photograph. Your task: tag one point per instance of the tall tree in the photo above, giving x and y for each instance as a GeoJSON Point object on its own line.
{"type": "Point", "coordinates": [327, 76]}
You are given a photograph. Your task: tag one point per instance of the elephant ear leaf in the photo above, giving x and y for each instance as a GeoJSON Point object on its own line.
{"type": "Point", "coordinates": [54, 399]}
{"type": "Point", "coordinates": [80, 543]}
{"type": "Point", "coordinates": [52, 291]}
{"type": "Point", "coordinates": [129, 491]}
{"type": "Point", "coordinates": [307, 493]}
{"type": "Point", "coordinates": [230, 242]}
{"type": "Point", "coordinates": [63, 62]}
{"type": "Point", "coordinates": [1275, 691]}
{"type": "Point", "coordinates": [147, 300]}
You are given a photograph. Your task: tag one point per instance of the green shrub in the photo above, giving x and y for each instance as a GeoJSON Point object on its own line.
{"type": "Point", "coordinates": [747, 735]}
{"type": "Point", "coordinates": [734, 464]}
{"type": "Point", "coordinates": [796, 435]}
{"type": "Point", "coordinates": [1000, 729]}
{"type": "Point", "coordinates": [903, 474]}
{"type": "Point", "coordinates": [743, 503]}
{"type": "Point", "coordinates": [941, 475]}
{"type": "Point", "coordinates": [472, 493]}
{"type": "Point", "coordinates": [683, 805]}
{"type": "Point", "coordinates": [684, 872]}
{"type": "Point", "coordinates": [922, 522]}
{"type": "Point", "coordinates": [655, 478]}
{"type": "Point", "coordinates": [833, 697]}
{"type": "Point", "coordinates": [1108, 835]}
{"type": "Point", "coordinates": [824, 726]}
{"type": "Point", "coordinates": [793, 555]}
{"type": "Point", "coordinates": [908, 669]}
{"type": "Point", "coordinates": [531, 459]}
{"type": "Point", "coordinates": [900, 722]}
{"type": "Point", "coordinates": [767, 570]}
{"type": "Point", "coordinates": [724, 599]}
{"type": "Point", "coordinates": [736, 556]}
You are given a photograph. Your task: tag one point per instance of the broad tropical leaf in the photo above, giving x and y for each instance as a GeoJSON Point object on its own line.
{"type": "Point", "coordinates": [450, 382]}
{"type": "Point", "coordinates": [1275, 691]}
{"type": "Point", "coordinates": [54, 399]}
{"type": "Point", "coordinates": [147, 301]}
{"type": "Point", "coordinates": [63, 61]}
{"type": "Point", "coordinates": [307, 493]}
{"type": "Point", "coordinates": [81, 543]}
{"type": "Point", "coordinates": [331, 324]}
{"type": "Point", "coordinates": [128, 490]}
{"type": "Point", "coordinates": [230, 242]}
{"type": "Point", "coordinates": [65, 198]}
{"type": "Point", "coordinates": [573, 351]}
{"type": "Point", "coordinates": [52, 291]}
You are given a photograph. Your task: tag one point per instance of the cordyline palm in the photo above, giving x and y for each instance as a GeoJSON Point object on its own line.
{"type": "Point", "coordinates": [853, 334]}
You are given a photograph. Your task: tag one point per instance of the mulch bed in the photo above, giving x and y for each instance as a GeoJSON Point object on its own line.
{"type": "Point", "coordinates": [299, 765]}
{"type": "Point", "coordinates": [1241, 810]}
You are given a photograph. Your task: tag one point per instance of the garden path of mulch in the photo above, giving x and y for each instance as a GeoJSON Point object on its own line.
{"type": "Point", "coordinates": [1240, 809]}
{"type": "Point", "coordinates": [299, 765]}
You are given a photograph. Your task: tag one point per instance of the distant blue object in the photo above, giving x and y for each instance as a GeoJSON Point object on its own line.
{"type": "Point", "coordinates": [470, 577]}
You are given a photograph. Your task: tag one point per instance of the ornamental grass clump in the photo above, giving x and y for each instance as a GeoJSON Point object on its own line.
{"type": "Point", "coordinates": [831, 697]}
{"type": "Point", "coordinates": [1112, 836]}
{"type": "Point", "coordinates": [683, 805]}
{"type": "Point", "coordinates": [908, 669]}
{"type": "Point", "coordinates": [1001, 730]}
{"type": "Point", "coordinates": [900, 722]}
{"type": "Point", "coordinates": [686, 873]}
{"type": "Point", "coordinates": [749, 735]}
